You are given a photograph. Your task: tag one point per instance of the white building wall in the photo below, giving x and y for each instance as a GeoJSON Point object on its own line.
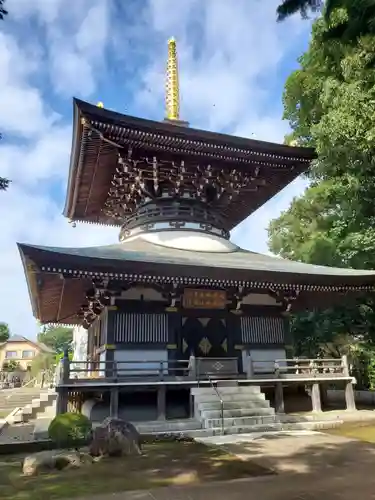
{"type": "Point", "coordinates": [79, 345]}
{"type": "Point", "coordinates": [131, 356]}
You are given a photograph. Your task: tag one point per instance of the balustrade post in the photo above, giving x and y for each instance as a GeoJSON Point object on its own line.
{"type": "Point", "coordinates": [65, 368]}
{"type": "Point", "coordinates": [114, 370]}
{"type": "Point", "coordinates": [349, 389]}
{"type": "Point", "coordinates": [279, 392]}
{"type": "Point", "coordinates": [345, 365]}
{"type": "Point", "coordinates": [192, 367]}
{"type": "Point", "coordinates": [161, 370]}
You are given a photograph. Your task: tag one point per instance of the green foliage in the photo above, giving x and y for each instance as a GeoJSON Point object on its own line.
{"type": "Point", "coordinates": [358, 21]}
{"type": "Point", "coordinates": [3, 12]}
{"type": "Point", "coordinates": [58, 338]}
{"type": "Point", "coordinates": [329, 102]}
{"type": "Point", "coordinates": [4, 332]}
{"type": "Point", "coordinates": [4, 184]}
{"type": "Point", "coordinates": [10, 365]}
{"type": "Point", "coordinates": [289, 7]}
{"type": "Point", "coordinates": [42, 362]}
{"type": "Point", "coordinates": [69, 427]}
{"type": "Point", "coordinates": [60, 356]}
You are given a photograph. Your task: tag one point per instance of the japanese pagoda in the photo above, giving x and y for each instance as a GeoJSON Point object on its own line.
{"type": "Point", "coordinates": [175, 285]}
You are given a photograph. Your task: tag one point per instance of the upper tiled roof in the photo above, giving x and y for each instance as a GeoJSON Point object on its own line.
{"type": "Point", "coordinates": [99, 134]}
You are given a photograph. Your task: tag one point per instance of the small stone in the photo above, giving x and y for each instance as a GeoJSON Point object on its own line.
{"type": "Point", "coordinates": [54, 460]}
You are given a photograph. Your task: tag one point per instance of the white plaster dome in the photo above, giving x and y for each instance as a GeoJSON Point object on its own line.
{"type": "Point", "coordinates": [194, 241]}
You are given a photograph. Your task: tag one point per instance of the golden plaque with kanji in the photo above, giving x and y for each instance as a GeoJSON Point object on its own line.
{"type": "Point", "coordinates": [195, 298]}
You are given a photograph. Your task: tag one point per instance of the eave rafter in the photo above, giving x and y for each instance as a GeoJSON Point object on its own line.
{"type": "Point", "coordinates": [267, 286]}
{"type": "Point", "coordinates": [82, 294]}
{"type": "Point", "coordinates": [242, 177]}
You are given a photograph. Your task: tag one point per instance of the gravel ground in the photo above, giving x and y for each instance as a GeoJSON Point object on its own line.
{"type": "Point", "coordinates": [17, 432]}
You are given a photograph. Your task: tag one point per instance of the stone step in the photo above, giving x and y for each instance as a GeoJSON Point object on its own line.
{"type": "Point", "coordinates": [240, 421]}
{"type": "Point", "coordinates": [237, 404]}
{"type": "Point", "coordinates": [249, 429]}
{"type": "Point", "coordinates": [217, 431]}
{"type": "Point", "coordinates": [316, 425]}
{"type": "Point", "coordinates": [168, 427]}
{"type": "Point", "coordinates": [207, 398]}
{"type": "Point", "coordinates": [237, 412]}
{"type": "Point", "coordinates": [240, 389]}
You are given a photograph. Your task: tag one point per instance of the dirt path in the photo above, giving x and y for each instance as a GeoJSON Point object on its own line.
{"type": "Point", "coordinates": [315, 467]}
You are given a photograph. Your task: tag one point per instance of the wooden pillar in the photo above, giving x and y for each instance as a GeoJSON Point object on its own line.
{"type": "Point", "coordinates": [62, 392]}
{"type": "Point", "coordinates": [191, 405]}
{"type": "Point", "coordinates": [65, 375]}
{"type": "Point", "coordinates": [324, 395]}
{"type": "Point", "coordinates": [113, 404]}
{"type": "Point", "coordinates": [162, 402]}
{"type": "Point", "coordinates": [62, 401]}
{"type": "Point", "coordinates": [315, 398]}
{"type": "Point", "coordinates": [250, 368]}
{"type": "Point", "coordinates": [279, 398]}
{"type": "Point", "coordinates": [349, 396]}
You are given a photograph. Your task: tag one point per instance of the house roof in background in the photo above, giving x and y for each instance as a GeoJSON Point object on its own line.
{"type": "Point", "coordinates": [20, 338]}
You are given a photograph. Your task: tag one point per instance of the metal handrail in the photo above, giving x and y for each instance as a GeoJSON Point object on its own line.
{"type": "Point", "coordinates": [221, 404]}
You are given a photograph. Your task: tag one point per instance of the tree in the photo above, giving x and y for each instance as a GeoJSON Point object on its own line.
{"type": "Point", "coordinates": [4, 184]}
{"type": "Point", "coordinates": [358, 21]}
{"type": "Point", "coordinates": [4, 332]}
{"type": "Point", "coordinates": [42, 362]}
{"type": "Point", "coordinates": [10, 365]}
{"type": "Point", "coordinates": [57, 338]}
{"type": "Point", "coordinates": [289, 7]}
{"type": "Point", "coordinates": [329, 103]}
{"type": "Point", "coordinates": [3, 12]}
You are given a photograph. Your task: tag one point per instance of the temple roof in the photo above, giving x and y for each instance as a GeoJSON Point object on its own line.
{"type": "Point", "coordinates": [99, 134]}
{"type": "Point", "coordinates": [57, 293]}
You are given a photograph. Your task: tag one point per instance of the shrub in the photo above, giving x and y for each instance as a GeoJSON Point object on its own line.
{"type": "Point", "coordinates": [69, 428]}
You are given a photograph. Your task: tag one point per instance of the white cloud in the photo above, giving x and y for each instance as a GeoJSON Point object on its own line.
{"type": "Point", "coordinates": [77, 56]}
{"type": "Point", "coordinates": [229, 56]}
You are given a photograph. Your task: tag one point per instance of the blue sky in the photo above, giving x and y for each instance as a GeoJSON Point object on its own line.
{"type": "Point", "coordinates": [233, 58]}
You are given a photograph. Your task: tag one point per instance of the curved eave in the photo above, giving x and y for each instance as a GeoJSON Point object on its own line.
{"type": "Point", "coordinates": [31, 281]}
{"type": "Point", "coordinates": [90, 175]}
{"type": "Point", "coordinates": [145, 258]}
{"type": "Point", "coordinates": [74, 162]}
{"type": "Point", "coordinates": [111, 117]}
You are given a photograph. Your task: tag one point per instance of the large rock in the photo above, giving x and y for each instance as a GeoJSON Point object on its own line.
{"type": "Point", "coordinates": [115, 437]}
{"type": "Point", "coordinates": [54, 460]}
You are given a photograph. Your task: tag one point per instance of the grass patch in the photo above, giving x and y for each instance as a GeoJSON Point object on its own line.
{"type": "Point", "coordinates": [363, 431]}
{"type": "Point", "coordinates": [162, 464]}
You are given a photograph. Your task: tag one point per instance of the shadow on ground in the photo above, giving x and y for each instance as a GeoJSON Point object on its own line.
{"type": "Point", "coordinates": [308, 453]}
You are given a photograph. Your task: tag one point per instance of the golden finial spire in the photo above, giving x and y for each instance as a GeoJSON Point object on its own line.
{"type": "Point", "coordinates": [172, 98]}
{"type": "Point", "coordinates": [100, 104]}
{"type": "Point", "coordinates": [172, 95]}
